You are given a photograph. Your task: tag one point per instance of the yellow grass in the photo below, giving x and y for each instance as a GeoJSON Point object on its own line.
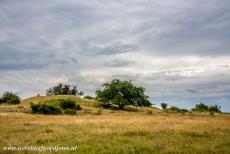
{"type": "Point", "coordinates": [118, 132]}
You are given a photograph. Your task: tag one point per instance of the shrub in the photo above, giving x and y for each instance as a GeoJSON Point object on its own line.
{"type": "Point", "coordinates": [215, 108]}
{"type": "Point", "coordinates": [34, 107]}
{"type": "Point", "coordinates": [164, 106]}
{"type": "Point", "coordinates": [67, 104]}
{"type": "Point", "coordinates": [63, 89]}
{"type": "Point", "coordinates": [59, 106]}
{"type": "Point", "coordinates": [201, 107]}
{"type": "Point", "coordinates": [70, 111]}
{"type": "Point", "coordinates": [10, 98]}
{"type": "Point", "coordinates": [174, 108]}
{"type": "Point", "coordinates": [45, 108]}
{"type": "Point", "coordinates": [177, 109]}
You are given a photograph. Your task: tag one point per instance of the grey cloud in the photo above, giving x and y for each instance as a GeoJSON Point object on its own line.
{"type": "Point", "coordinates": [191, 91]}
{"type": "Point", "coordinates": [118, 63]}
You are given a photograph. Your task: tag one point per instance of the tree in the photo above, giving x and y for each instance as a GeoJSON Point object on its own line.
{"type": "Point", "coordinates": [10, 98]}
{"type": "Point", "coordinates": [215, 108]}
{"type": "Point", "coordinates": [201, 107]}
{"type": "Point", "coordinates": [122, 93]}
{"type": "Point", "coordinates": [81, 93]}
{"type": "Point", "coordinates": [164, 106]}
{"type": "Point", "coordinates": [63, 89]}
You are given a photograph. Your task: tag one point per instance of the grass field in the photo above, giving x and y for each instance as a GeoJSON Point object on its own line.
{"type": "Point", "coordinates": [110, 131]}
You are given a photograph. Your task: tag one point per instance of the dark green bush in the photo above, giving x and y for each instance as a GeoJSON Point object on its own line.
{"type": "Point", "coordinates": [177, 109]}
{"type": "Point", "coordinates": [70, 111]}
{"type": "Point", "coordinates": [201, 107]}
{"type": "Point", "coordinates": [10, 98]}
{"type": "Point", "coordinates": [59, 106]}
{"type": "Point", "coordinates": [34, 107]}
{"type": "Point", "coordinates": [164, 106]}
{"type": "Point", "coordinates": [215, 108]}
{"type": "Point", "coordinates": [45, 108]}
{"type": "Point", "coordinates": [174, 108]}
{"type": "Point", "coordinates": [67, 104]}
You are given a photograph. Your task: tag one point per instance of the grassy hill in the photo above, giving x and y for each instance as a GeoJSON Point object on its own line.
{"type": "Point", "coordinates": [86, 104]}
{"type": "Point", "coordinates": [83, 102]}
{"type": "Point", "coordinates": [147, 130]}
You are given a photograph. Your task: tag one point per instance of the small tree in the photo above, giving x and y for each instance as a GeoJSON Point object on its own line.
{"type": "Point", "coordinates": [10, 98]}
{"type": "Point", "coordinates": [122, 93]}
{"type": "Point", "coordinates": [201, 107]}
{"type": "Point", "coordinates": [81, 93]}
{"type": "Point", "coordinates": [215, 108]}
{"type": "Point", "coordinates": [164, 106]}
{"type": "Point", "coordinates": [63, 89]}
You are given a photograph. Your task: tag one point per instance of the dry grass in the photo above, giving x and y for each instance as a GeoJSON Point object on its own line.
{"type": "Point", "coordinates": [119, 132]}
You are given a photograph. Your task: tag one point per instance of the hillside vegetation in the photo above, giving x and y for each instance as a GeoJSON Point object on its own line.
{"type": "Point", "coordinates": [96, 130]}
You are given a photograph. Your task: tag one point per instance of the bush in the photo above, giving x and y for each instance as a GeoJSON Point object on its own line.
{"type": "Point", "coordinates": [215, 108]}
{"type": "Point", "coordinates": [67, 104]}
{"type": "Point", "coordinates": [177, 109]}
{"type": "Point", "coordinates": [164, 106]}
{"type": "Point", "coordinates": [45, 108]}
{"type": "Point", "coordinates": [70, 111]}
{"type": "Point", "coordinates": [63, 89]}
{"type": "Point", "coordinates": [201, 107]}
{"type": "Point", "coordinates": [174, 108]}
{"type": "Point", "coordinates": [59, 106]}
{"type": "Point", "coordinates": [10, 98]}
{"type": "Point", "coordinates": [34, 107]}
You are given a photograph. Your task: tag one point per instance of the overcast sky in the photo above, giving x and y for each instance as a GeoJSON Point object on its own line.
{"type": "Point", "coordinates": [179, 50]}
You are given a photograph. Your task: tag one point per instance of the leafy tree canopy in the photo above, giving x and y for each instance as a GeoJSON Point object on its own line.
{"type": "Point", "coordinates": [122, 93]}
{"type": "Point", "coordinates": [201, 107]}
{"type": "Point", "coordinates": [10, 98]}
{"type": "Point", "coordinates": [63, 89]}
{"type": "Point", "coordinates": [164, 106]}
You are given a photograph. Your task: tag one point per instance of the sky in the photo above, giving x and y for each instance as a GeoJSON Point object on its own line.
{"type": "Point", "coordinates": [178, 50]}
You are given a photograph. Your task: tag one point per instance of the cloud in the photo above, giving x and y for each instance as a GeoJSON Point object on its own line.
{"type": "Point", "coordinates": [178, 50]}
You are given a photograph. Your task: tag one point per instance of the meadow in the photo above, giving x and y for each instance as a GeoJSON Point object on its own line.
{"type": "Point", "coordinates": [96, 130]}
